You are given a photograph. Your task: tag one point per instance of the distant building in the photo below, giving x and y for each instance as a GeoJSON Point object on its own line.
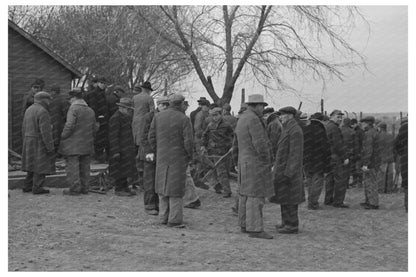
{"type": "Point", "coordinates": [29, 59]}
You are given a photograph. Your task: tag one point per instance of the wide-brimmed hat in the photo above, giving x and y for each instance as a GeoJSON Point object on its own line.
{"type": "Point", "coordinates": [288, 110]}
{"type": "Point", "coordinates": [176, 98]}
{"type": "Point", "coordinates": [147, 85]}
{"type": "Point", "coordinates": [204, 102]}
{"type": "Point", "coordinates": [126, 103]}
{"type": "Point", "coordinates": [162, 100]}
{"type": "Point", "coordinates": [256, 99]}
{"type": "Point", "coordinates": [42, 95]}
{"type": "Point", "coordinates": [216, 110]}
{"type": "Point", "coordinates": [75, 92]}
{"type": "Point", "coordinates": [369, 119]}
{"type": "Point", "coordinates": [336, 112]}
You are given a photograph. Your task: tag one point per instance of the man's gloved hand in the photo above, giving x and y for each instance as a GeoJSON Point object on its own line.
{"type": "Point", "coordinates": [347, 161]}
{"type": "Point", "coordinates": [364, 168]}
{"type": "Point", "coordinates": [150, 157]}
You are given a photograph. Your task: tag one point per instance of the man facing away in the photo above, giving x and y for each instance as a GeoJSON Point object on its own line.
{"type": "Point", "coordinates": [77, 143]}
{"type": "Point", "coordinates": [254, 167]}
{"type": "Point", "coordinates": [38, 153]}
{"type": "Point", "coordinates": [171, 140]}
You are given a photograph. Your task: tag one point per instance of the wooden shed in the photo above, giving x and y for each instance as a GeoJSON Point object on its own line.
{"type": "Point", "coordinates": [28, 60]}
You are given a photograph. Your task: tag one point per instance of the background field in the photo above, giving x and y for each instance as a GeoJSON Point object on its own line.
{"type": "Point", "coordinates": [108, 233]}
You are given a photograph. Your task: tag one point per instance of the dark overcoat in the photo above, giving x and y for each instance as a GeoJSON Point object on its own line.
{"type": "Point", "coordinates": [122, 142]}
{"type": "Point", "coordinates": [316, 148]}
{"type": "Point", "coordinates": [370, 154]}
{"type": "Point", "coordinates": [287, 170]}
{"type": "Point", "coordinates": [274, 131]}
{"type": "Point", "coordinates": [254, 156]}
{"type": "Point", "coordinates": [386, 147]}
{"type": "Point", "coordinates": [38, 148]}
{"type": "Point", "coordinates": [143, 103]}
{"type": "Point", "coordinates": [57, 110]}
{"type": "Point", "coordinates": [144, 144]}
{"type": "Point", "coordinates": [336, 142]}
{"type": "Point", "coordinates": [79, 131]}
{"type": "Point", "coordinates": [170, 137]}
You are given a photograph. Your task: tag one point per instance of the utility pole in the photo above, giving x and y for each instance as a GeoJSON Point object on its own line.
{"type": "Point", "coordinates": [243, 96]}
{"type": "Point", "coordinates": [322, 106]}
{"type": "Point", "coordinates": [165, 92]}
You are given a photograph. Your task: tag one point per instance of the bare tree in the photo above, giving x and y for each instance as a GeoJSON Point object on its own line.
{"type": "Point", "coordinates": [111, 41]}
{"type": "Point", "coordinates": [268, 40]}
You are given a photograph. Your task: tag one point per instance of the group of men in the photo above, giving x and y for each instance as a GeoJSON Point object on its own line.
{"type": "Point", "coordinates": [272, 152]}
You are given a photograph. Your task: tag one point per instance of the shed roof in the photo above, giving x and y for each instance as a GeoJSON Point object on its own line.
{"type": "Point", "coordinates": [48, 51]}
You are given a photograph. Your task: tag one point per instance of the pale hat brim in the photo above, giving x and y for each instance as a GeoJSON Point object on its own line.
{"type": "Point", "coordinates": [125, 106]}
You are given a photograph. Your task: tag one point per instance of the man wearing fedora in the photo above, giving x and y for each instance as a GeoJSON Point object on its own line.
{"type": "Point", "coordinates": [150, 198]}
{"type": "Point", "coordinates": [254, 167]}
{"type": "Point", "coordinates": [77, 143]}
{"type": "Point", "coordinates": [216, 141]}
{"type": "Point", "coordinates": [38, 153]}
{"type": "Point", "coordinates": [97, 101]}
{"type": "Point", "coordinates": [142, 103]}
{"type": "Point", "coordinates": [287, 171]}
{"type": "Point", "coordinates": [171, 140]}
{"type": "Point", "coordinates": [371, 162]}
{"type": "Point", "coordinates": [122, 148]}
{"type": "Point", "coordinates": [336, 186]}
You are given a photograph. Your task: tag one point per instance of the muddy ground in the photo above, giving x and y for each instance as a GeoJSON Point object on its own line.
{"type": "Point", "coordinates": [109, 233]}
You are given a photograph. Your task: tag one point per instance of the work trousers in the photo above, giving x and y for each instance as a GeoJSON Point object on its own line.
{"type": "Point", "coordinates": [151, 200]}
{"type": "Point", "coordinates": [121, 184]}
{"type": "Point", "coordinates": [250, 213]}
{"type": "Point", "coordinates": [190, 189]}
{"type": "Point", "coordinates": [139, 167]}
{"type": "Point", "coordinates": [371, 177]}
{"type": "Point", "coordinates": [289, 215]}
{"type": "Point", "coordinates": [357, 174]}
{"type": "Point", "coordinates": [386, 182]}
{"type": "Point", "coordinates": [316, 183]}
{"type": "Point", "coordinates": [101, 142]}
{"type": "Point", "coordinates": [336, 184]}
{"type": "Point", "coordinates": [34, 180]}
{"type": "Point", "coordinates": [221, 174]}
{"type": "Point", "coordinates": [78, 172]}
{"type": "Point", "coordinates": [170, 209]}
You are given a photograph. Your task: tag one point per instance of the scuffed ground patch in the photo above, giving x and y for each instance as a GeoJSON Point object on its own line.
{"type": "Point", "coordinates": [108, 233]}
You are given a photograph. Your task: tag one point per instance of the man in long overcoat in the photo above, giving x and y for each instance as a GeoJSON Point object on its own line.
{"type": "Point", "coordinates": [287, 172]}
{"type": "Point", "coordinates": [386, 182]}
{"type": "Point", "coordinates": [122, 148]}
{"type": "Point", "coordinates": [336, 186]}
{"type": "Point", "coordinates": [38, 154]}
{"type": "Point", "coordinates": [316, 158]}
{"type": "Point", "coordinates": [143, 103]}
{"type": "Point", "coordinates": [274, 128]}
{"type": "Point", "coordinates": [77, 143]}
{"type": "Point", "coordinates": [254, 167]}
{"type": "Point", "coordinates": [170, 137]}
{"type": "Point", "coordinates": [371, 160]}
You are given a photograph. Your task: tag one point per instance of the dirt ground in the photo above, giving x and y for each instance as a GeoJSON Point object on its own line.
{"type": "Point", "coordinates": [109, 233]}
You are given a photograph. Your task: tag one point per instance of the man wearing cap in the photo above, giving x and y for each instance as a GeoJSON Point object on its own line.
{"type": "Point", "coordinates": [28, 98]}
{"type": "Point", "coordinates": [274, 128]}
{"type": "Point", "coordinates": [122, 148]}
{"type": "Point", "coordinates": [151, 199]}
{"type": "Point", "coordinates": [143, 103]}
{"type": "Point", "coordinates": [113, 97]}
{"type": "Point", "coordinates": [38, 153]}
{"type": "Point", "coordinates": [194, 113]}
{"type": "Point", "coordinates": [387, 158]}
{"type": "Point", "coordinates": [217, 141]}
{"type": "Point", "coordinates": [316, 158]}
{"type": "Point", "coordinates": [336, 186]}
{"type": "Point", "coordinates": [287, 172]}
{"type": "Point", "coordinates": [77, 143]}
{"type": "Point", "coordinates": [170, 137]}
{"type": "Point", "coordinates": [227, 116]}
{"type": "Point", "coordinates": [97, 101]}
{"type": "Point", "coordinates": [371, 161]}
{"type": "Point", "coordinates": [254, 167]}
{"type": "Point", "coordinates": [57, 110]}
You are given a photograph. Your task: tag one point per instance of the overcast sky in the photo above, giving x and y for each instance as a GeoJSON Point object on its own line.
{"type": "Point", "coordinates": [383, 89]}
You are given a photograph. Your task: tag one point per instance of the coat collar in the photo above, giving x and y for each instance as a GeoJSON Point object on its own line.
{"type": "Point", "coordinates": [286, 129]}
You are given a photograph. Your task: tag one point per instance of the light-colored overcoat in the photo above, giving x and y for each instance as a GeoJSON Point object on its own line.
{"type": "Point", "coordinates": [79, 131]}
{"type": "Point", "coordinates": [287, 170]}
{"type": "Point", "coordinates": [170, 137]}
{"type": "Point", "coordinates": [254, 156]}
{"type": "Point", "coordinates": [38, 148]}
